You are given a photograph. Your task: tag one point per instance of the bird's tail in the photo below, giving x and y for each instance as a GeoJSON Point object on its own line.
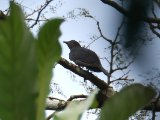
{"type": "Point", "coordinates": [104, 71]}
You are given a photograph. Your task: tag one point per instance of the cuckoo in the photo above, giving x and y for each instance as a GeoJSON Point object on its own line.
{"type": "Point", "coordinates": [85, 57]}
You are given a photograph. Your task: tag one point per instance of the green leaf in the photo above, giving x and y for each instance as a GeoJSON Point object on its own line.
{"type": "Point", "coordinates": [49, 51]}
{"type": "Point", "coordinates": [75, 109]}
{"type": "Point", "coordinates": [18, 68]}
{"type": "Point", "coordinates": [127, 102]}
{"type": "Point", "coordinates": [26, 66]}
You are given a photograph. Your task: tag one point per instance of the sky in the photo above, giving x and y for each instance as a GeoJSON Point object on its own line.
{"type": "Point", "coordinates": [83, 29]}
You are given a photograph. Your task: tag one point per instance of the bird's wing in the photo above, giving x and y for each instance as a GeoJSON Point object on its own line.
{"type": "Point", "coordinates": [81, 63]}
{"type": "Point", "coordinates": [84, 55]}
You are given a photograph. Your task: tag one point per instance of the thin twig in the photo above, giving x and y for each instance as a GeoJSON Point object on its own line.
{"type": "Point", "coordinates": [77, 96]}
{"type": "Point", "coordinates": [122, 68]}
{"type": "Point", "coordinates": [39, 13]}
{"type": "Point", "coordinates": [51, 116]}
{"type": "Point", "coordinates": [153, 30]}
{"type": "Point", "coordinates": [99, 28]}
{"type": "Point", "coordinates": [154, 106]}
{"type": "Point", "coordinates": [101, 34]}
{"type": "Point", "coordinates": [31, 19]}
{"type": "Point", "coordinates": [123, 77]}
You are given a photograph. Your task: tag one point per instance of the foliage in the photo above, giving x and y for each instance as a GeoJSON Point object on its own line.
{"type": "Point", "coordinates": [75, 110]}
{"type": "Point", "coordinates": [26, 66]}
{"type": "Point", "coordinates": [129, 100]}
{"type": "Point", "coordinates": [118, 107]}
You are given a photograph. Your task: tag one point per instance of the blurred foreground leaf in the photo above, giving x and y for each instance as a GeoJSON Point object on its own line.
{"type": "Point", "coordinates": [49, 51]}
{"type": "Point", "coordinates": [26, 66]}
{"type": "Point", "coordinates": [75, 109]}
{"type": "Point", "coordinates": [125, 103]}
{"type": "Point", "coordinates": [18, 68]}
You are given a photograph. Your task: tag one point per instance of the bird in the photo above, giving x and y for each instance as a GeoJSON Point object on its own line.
{"type": "Point", "coordinates": [85, 57]}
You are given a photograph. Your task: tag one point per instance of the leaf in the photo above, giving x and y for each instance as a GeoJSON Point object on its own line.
{"type": "Point", "coordinates": [49, 51]}
{"type": "Point", "coordinates": [75, 109]}
{"type": "Point", "coordinates": [18, 68]}
{"type": "Point", "coordinates": [25, 65]}
{"type": "Point", "coordinates": [125, 103]}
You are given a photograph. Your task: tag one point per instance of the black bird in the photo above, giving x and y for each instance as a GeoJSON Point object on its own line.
{"type": "Point", "coordinates": [85, 57]}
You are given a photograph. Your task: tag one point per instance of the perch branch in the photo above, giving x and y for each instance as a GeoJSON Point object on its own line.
{"type": "Point", "coordinates": [85, 74]}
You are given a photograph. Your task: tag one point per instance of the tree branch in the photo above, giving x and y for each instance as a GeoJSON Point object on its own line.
{"type": "Point", "coordinates": [39, 13]}
{"type": "Point", "coordinates": [126, 13]}
{"type": "Point", "coordinates": [76, 96]}
{"type": "Point", "coordinates": [116, 6]}
{"type": "Point", "coordinates": [55, 104]}
{"type": "Point", "coordinates": [85, 74]}
{"type": "Point", "coordinates": [58, 104]}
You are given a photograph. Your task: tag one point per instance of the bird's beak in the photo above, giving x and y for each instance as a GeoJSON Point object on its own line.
{"type": "Point", "coordinates": [65, 42]}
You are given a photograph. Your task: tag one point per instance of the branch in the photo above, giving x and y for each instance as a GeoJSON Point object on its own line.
{"type": "Point", "coordinates": [126, 13]}
{"type": "Point", "coordinates": [76, 96]}
{"type": "Point", "coordinates": [122, 68]}
{"type": "Point", "coordinates": [113, 48]}
{"type": "Point", "coordinates": [55, 104]}
{"type": "Point", "coordinates": [39, 13]}
{"type": "Point", "coordinates": [39, 20]}
{"type": "Point", "coordinates": [2, 15]}
{"type": "Point", "coordinates": [99, 28]}
{"type": "Point", "coordinates": [58, 104]}
{"type": "Point", "coordinates": [85, 74]}
{"type": "Point", "coordinates": [116, 6]}
{"type": "Point", "coordinates": [50, 116]}
{"type": "Point", "coordinates": [124, 77]}
{"type": "Point", "coordinates": [154, 106]}
{"type": "Point", "coordinates": [152, 27]}
{"type": "Point", "coordinates": [101, 34]}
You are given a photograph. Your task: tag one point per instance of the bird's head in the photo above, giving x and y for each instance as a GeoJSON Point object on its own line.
{"type": "Point", "coordinates": [72, 43]}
